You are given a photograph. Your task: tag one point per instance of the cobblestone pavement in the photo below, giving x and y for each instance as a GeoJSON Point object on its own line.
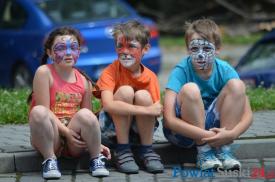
{"type": "Point", "coordinates": [252, 170]}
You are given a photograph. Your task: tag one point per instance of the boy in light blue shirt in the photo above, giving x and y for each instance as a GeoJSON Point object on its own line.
{"type": "Point", "coordinates": [205, 102]}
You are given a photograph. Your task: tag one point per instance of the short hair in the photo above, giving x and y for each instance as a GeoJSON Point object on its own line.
{"type": "Point", "coordinates": [206, 28]}
{"type": "Point", "coordinates": [132, 30]}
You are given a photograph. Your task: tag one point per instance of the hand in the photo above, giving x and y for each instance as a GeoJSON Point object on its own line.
{"type": "Point", "coordinates": [222, 137]}
{"type": "Point", "coordinates": [74, 139]}
{"type": "Point", "coordinates": [105, 151]}
{"type": "Point", "coordinates": [155, 109]}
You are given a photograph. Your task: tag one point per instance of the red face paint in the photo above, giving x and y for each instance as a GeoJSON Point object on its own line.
{"type": "Point", "coordinates": [129, 51]}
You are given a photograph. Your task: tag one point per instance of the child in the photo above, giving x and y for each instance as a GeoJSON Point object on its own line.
{"type": "Point", "coordinates": [205, 102]}
{"type": "Point", "coordinates": [60, 118]}
{"type": "Point", "coordinates": [130, 97]}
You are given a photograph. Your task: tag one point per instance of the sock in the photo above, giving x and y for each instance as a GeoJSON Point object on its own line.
{"type": "Point", "coordinates": [121, 147]}
{"type": "Point", "coordinates": [53, 157]}
{"type": "Point", "coordinates": [143, 149]}
{"type": "Point", "coordinates": [203, 148]}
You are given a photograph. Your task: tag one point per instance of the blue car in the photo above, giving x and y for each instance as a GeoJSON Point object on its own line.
{"type": "Point", "coordinates": [257, 66]}
{"type": "Point", "coordinates": [25, 23]}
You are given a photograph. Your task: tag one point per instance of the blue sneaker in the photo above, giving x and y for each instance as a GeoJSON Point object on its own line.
{"type": "Point", "coordinates": [229, 162]}
{"type": "Point", "coordinates": [97, 166]}
{"type": "Point", "coordinates": [207, 160]}
{"type": "Point", "coordinates": [50, 169]}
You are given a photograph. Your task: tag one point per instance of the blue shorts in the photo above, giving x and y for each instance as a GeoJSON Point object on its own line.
{"type": "Point", "coordinates": [212, 120]}
{"type": "Point", "coordinates": [108, 132]}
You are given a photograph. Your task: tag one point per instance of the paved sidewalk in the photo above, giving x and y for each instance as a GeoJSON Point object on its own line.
{"type": "Point", "coordinates": [19, 162]}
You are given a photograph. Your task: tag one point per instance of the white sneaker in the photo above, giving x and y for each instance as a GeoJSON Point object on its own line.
{"type": "Point", "coordinates": [97, 167]}
{"type": "Point", "coordinates": [50, 169]}
{"type": "Point", "coordinates": [229, 162]}
{"type": "Point", "coordinates": [207, 160]}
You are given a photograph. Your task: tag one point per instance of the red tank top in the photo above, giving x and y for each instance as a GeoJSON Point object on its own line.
{"type": "Point", "coordinates": [65, 97]}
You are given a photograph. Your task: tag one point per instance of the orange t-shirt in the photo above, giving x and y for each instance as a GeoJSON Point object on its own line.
{"type": "Point", "coordinates": [115, 76]}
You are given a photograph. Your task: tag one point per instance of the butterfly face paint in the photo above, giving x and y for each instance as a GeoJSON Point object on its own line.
{"type": "Point", "coordinates": [66, 48]}
{"type": "Point", "coordinates": [202, 53]}
{"type": "Point", "coordinates": [129, 51]}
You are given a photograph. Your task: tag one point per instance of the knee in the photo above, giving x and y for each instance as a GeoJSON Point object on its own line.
{"type": "Point", "coordinates": [143, 97]}
{"type": "Point", "coordinates": [235, 87]}
{"type": "Point", "coordinates": [191, 92]}
{"type": "Point", "coordinates": [38, 114]}
{"type": "Point", "coordinates": [87, 118]}
{"type": "Point", "coordinates": [125, 93]}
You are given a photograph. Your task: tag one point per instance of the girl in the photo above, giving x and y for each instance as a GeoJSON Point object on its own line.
{"type": "Point", "coordinates": [60, 118]}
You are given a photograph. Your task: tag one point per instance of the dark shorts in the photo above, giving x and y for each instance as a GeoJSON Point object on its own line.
{"type": "Point", "coordinates": [108, 132]}
{"type": "Point", "coordinates": [212, 120]}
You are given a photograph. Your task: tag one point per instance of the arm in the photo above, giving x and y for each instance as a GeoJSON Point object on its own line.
{"type": "Point", "coordinates": [119, 107]}
{"type": "Point", "coordinates": [178, 125]}
{"type": "Point", "coordinates": [87, 99]}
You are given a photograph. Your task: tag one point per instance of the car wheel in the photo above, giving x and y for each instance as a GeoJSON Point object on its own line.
{"type": "Point", "coordinates": [21, 77]}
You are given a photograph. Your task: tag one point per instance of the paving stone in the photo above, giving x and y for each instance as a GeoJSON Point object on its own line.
{"type": "Point", "coordinates": [7, 163]}
{"type": "Point", "coordinates": [86, 177]}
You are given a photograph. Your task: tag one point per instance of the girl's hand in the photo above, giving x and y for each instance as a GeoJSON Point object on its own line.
{"type": "Point", "coordinates": [74, 139]}
{"type": "Point", "coordinates": [105, 151]}
{"type": "Point", "coordinates": [222, 137]}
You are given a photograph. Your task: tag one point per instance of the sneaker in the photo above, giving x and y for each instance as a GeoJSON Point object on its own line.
{"type": "Point", "coordinates": [229, 162]}
{"type": "Point", "coordinates": [50, 169]}
{"type": "Point", "coordinates": [125, 162]}
{"type": "Point", "coordinates": [207, 160]}
{"type": "Point", "coordinates": [152, 162]}
{"type": "Point", "coordinates": [97, 167]}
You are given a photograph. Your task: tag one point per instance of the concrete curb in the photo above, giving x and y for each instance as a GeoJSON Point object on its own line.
{"type": "Point", "coordinates": [31, 160]}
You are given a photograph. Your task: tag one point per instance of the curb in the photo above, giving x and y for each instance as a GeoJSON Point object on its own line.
{"type": "Point", "coordinates": [31, 160]}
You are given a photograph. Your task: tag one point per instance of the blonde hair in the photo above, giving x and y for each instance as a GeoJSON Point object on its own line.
{"type": "Point", "coordinates": [206, 28]}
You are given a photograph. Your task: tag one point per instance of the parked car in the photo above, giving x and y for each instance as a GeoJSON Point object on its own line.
{"type": "Point", "coordinates": [25, 23]}
{"type": "Point", "coordinates": [257, 66]}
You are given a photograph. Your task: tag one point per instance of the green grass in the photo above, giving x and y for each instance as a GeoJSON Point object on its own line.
{"type": "Point", "coordinates": [14, 108]}
{"type": "Point", "coordinates": [178, 41]}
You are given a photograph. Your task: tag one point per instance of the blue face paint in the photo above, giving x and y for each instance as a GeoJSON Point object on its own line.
{"type": "Point", "coordinates": [68, 50]}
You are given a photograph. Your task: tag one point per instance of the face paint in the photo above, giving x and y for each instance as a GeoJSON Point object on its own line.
{"type": "Point", "coordinates": [202, 53]}
{"type": "Point", "coordinates": [129, 52]}
{"type": "Point", "coordinates": [65, 48]}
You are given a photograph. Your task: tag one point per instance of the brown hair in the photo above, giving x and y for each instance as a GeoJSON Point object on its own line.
{"type": "Point", "coordinates": [132, 30]}
{"type": "Point", "coordinates": [49, 43]}
{"type": "Point", "coordinates": [206, 28]}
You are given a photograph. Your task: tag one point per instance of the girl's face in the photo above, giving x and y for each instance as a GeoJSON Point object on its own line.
{"type": "Point", "coordinates": [129, 51]}
{"type": "Point", "coordinates": [202, 52]}
{"type": "Point", "coordinates": [65, 50]}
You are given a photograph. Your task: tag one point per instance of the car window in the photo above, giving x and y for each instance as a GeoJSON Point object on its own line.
{"type": "Point", "coordinates": [262, 57]}
{"type": "Point", "coordinates": [12, 15]}
{"type": "Point", "coordinates": [70, 11]}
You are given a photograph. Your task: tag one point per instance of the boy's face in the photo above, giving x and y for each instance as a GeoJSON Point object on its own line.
{"type": "Point", "coordinates": [129, 51]}
{"type": "Point", "coordinates": [65, 50]}
{"type": "Point", "coordinates": [202, 53]}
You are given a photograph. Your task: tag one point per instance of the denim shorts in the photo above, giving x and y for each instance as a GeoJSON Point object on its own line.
{"type": "Point", "coordinates": [212, 120]}
{"type": "Point", "coordinates": [108, 132]}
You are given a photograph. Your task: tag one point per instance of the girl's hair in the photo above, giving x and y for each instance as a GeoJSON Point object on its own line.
{"type": "Point", "coordinates": [60, 31]}
{"type": "Point", "coordinates": [132, 30]}
{"type": "Point", "coordinates": [206, 28]}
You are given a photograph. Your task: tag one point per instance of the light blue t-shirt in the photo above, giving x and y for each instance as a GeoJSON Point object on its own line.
{"type": "Point", "coordinates": [184, 73]}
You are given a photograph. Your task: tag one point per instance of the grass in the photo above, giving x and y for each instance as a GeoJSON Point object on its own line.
{"type": "Point", "coordinates": [178, 41]}
{"type": "Point", "coordinates": [14, 108]}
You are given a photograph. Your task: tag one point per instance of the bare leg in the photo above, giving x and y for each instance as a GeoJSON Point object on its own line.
{"type": "Point", "coordinates": [123, 122]}
{"type": "Point", "coordinates": [44, 131]}
{"type": "Point", "coordinates": [145, 124]}
{"type": "Point", "coordinates": [192, 109]}
{"type": "Point", "coordinates": [230, 103]}
{"type": "Point", "coordinates": [86, 125]}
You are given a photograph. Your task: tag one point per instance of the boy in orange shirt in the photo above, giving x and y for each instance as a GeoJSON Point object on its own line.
{"type": "Point", "coordinates": [130, 96]}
